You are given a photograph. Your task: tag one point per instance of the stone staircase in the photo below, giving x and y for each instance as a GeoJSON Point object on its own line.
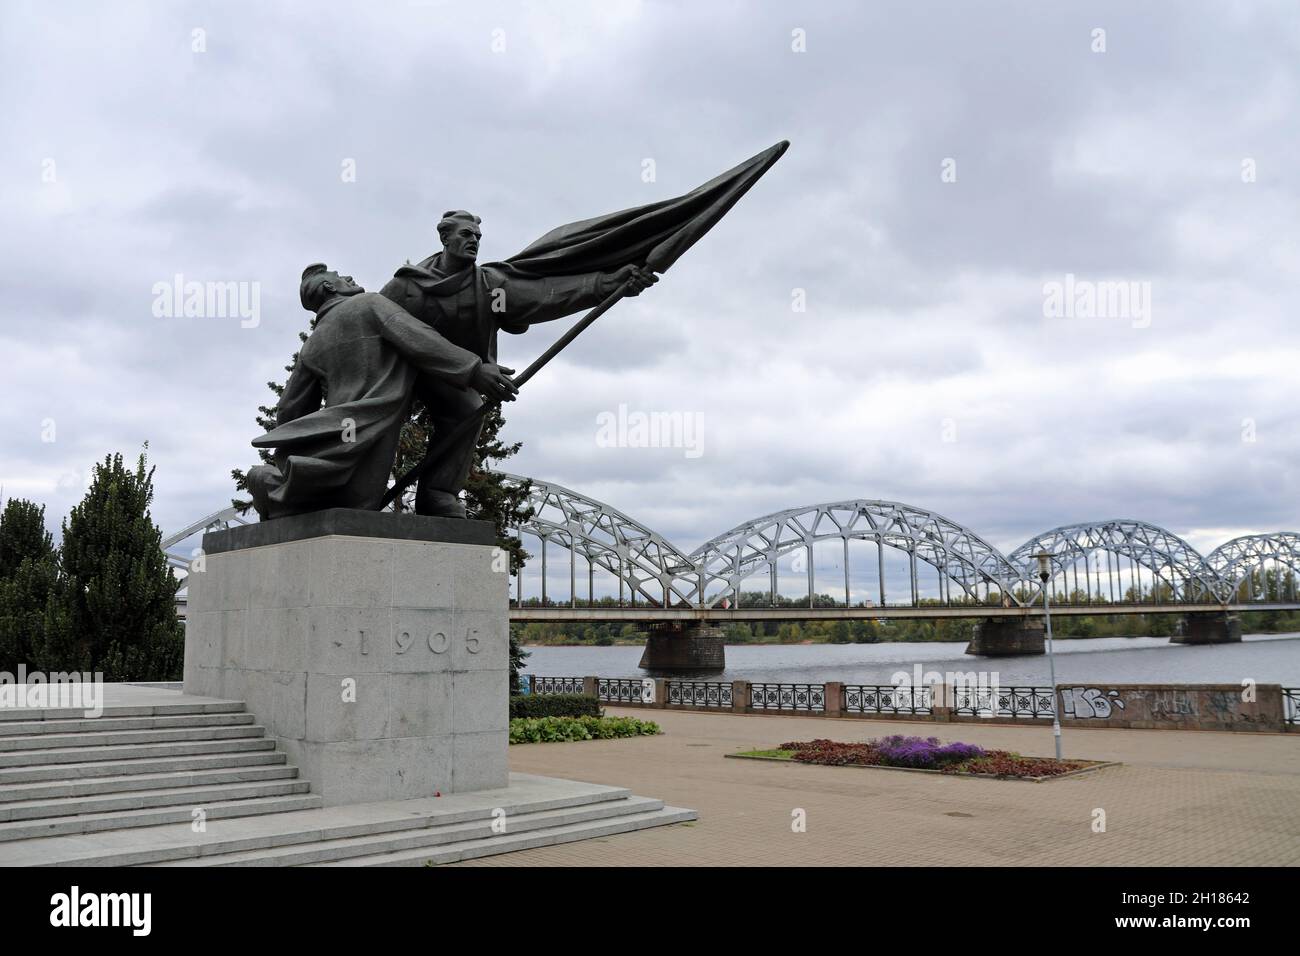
{"type": "Point", "coordinates": [62, 774]}
{"type": "Point", "coordinates": [121, 790]}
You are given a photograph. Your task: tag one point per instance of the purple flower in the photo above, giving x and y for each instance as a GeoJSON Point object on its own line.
{"type": "Point", "coordinates": [923, 752]}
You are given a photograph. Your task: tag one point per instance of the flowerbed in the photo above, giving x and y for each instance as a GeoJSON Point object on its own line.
{"type": "Point", "coordinates": [924, 753]}
{"type": "Point", "coordinates": [536, 730]}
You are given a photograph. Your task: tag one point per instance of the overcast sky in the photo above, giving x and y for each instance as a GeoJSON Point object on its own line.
{"type": "Point", "coordinates": [923, 367]}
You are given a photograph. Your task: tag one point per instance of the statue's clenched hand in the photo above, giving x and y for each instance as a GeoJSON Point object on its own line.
{"type": "Point", "coordinates": [639, 280]}
{"type": "Point", "coordinates": [494, 381]}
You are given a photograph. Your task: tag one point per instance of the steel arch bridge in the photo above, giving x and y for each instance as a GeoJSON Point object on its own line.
{"type": "Point", "coordinates": [642, 560]}
{"type": "Point", "coordinates": [1242, 566]}
{"type": "Point", "coordinates": [959, 555]}
{"type": "Point", "coordinates": [1168, 560]}
{"type": "Point", "coordinates": [176, 547]}
{"type": "Point", "coordinates": [659, 581]}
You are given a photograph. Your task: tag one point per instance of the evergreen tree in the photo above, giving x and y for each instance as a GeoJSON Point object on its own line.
{"type": "Point", "coordinates": [113, 608]}
{"type": "Point", "coordinates": [22, 535]}
{"type": "Point", "coordinates": [28, 569]}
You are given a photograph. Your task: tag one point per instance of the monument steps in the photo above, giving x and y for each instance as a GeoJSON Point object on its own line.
{"type": "Point", "coordinates": [142, 765]}
{"type": "Point", "coordinates": [178, 748]}
{"type": "Point", "coordinates": [538, 811]}
{"type": "Point", "coordinates": [146, 799]}
{"type": "Point", "coordinates": [62, 773]}
{"type": "Point", "coordinates": [383, 845]}
{"type": "Point", "coordinates": [43, 714]}
{"type": "Point", "coordinates": [27, 728]}
{"type": "Point", "coordinates": [50, 790]}
{"type": "Point", "coordinates": [156, 816]}
{"type": "Point", "coordinates": [121, 790]}
{"type": "Point", "coordinates": [509, 842]}
{"type": "Point", "coordinates": [110, 738]}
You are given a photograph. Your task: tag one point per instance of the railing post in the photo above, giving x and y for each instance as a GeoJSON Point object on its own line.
{"type": "Point", "coordinates": [941, 703]}
{"type": "Point", "coordinates": [740, 696]}
{"type": "Point", "coordinates": [590, 686]}
{"type": "Point", "coordinates": [834, 699]}
{"type": "Point", "coordinates": [661, 692]}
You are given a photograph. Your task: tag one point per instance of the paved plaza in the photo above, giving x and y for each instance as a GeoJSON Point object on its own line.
{"type": "Point", "coordinates": [1180, 798]}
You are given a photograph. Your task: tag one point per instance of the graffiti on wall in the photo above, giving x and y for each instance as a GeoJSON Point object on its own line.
{"type": "Point", "coordinates": [1089, 703]}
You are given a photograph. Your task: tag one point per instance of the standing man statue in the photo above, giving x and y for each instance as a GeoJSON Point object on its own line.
{"type": "Point", "coordinates": [340, 415]}
{"type": "Point", "coordinates": [467, 304]}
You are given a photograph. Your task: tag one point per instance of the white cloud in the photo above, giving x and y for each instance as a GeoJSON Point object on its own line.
{"type": "Point", "coordinates": [924, 297]}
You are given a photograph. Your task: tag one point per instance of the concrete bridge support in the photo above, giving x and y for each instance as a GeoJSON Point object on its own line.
{"type": "Point", "coordinates": [1211, 627]}
{"type": "Point", "coordinates": [684, 647]}
{"type": "Point", "coordinates": [1007, 637]}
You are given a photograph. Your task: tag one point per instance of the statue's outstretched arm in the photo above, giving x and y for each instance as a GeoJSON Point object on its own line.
{"type": "Point", "coordinates": [424, 348]}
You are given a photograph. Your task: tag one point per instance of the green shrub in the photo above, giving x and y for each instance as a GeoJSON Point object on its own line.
{"type": "Point", "coordinates": [538, 730]}
{"type": "Point", "coordinates": [554, 705]}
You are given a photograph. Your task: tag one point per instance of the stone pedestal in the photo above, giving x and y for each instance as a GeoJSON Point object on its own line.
{"type": "Point", "coordinates": [684, 647]}
{"type": "Point", "coordinates": [1007, 637]}
{"type": "Point", "coordinates": [373, 646]}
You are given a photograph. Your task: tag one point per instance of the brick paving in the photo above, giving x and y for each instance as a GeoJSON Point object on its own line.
{"type": "Point", "coordinates": [1182, 798]}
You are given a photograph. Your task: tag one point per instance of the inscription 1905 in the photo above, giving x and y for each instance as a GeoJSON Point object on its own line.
{"type": "Point", "coordinates": [437, 641]}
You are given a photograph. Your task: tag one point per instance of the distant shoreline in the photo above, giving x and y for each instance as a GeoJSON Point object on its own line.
{"type": "Point", "coordinates": [1285, 635]}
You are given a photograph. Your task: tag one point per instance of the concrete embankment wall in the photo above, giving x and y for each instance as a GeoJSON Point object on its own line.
{"type": "Point", "coordinates": [1219, 707]}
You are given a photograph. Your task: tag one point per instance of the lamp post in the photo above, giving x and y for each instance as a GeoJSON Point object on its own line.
{"type": "Point", "coordinates": [1045, 575]}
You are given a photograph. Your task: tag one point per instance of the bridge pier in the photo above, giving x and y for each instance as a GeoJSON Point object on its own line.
{"type": "Point", "coordinates": [1007, 637]}
{"type": "Point", "coordinates": [684, 646]}
{"type": "Point", "coordinates": [1209, 627]}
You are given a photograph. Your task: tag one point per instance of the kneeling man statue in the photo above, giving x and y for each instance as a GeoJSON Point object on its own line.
{"type": "Point", "coordinates": [341, 413]}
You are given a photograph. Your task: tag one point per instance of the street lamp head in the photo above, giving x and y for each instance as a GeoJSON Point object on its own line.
{"type": "Point", "coordinates": [1044, 565]}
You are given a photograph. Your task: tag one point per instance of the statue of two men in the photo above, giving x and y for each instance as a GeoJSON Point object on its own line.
{"type": "Point", "coordinates": [431, 335]}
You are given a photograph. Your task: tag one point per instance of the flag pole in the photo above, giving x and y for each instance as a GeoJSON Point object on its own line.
{"type": "Point", "coordinates": [472, 420]}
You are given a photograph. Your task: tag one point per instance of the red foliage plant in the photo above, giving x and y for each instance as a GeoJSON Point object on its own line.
{"type": "Point", "coordinates": [998, 763]}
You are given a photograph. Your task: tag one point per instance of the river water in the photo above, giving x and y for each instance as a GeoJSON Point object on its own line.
{"type": "Point", "coordinates": [1266, 659]}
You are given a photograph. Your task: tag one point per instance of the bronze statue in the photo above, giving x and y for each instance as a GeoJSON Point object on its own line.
{"type": "Point", "coordinates": [467, 303]}
{"type": "Point", "coordinates": [361, 361]}
{"type": "Point", "coordinates": [432, 334]}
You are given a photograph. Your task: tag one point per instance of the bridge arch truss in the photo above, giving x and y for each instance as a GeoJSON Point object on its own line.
{"type": "Point", "coordinates": [1160, 565]}
{"type": "Point", "coordinates": [1258, 567]}
{"type": "Point", "coordinates": [978, 570]}
{"type": "Point", "coordinates": [644, 562]}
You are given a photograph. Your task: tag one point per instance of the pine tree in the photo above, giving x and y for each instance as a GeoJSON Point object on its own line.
{"type": "Point", "coordinates": [28, 569]}
{"type": "Point", "coordinates": [114, 609]}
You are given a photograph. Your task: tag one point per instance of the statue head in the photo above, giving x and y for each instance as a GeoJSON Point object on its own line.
{"type": "Point", "coordinates": [320, 284]}
{"type": "Point", "coordinates": [460, 235]}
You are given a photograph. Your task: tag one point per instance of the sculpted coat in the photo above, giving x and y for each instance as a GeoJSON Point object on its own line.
{"type": "Point", "coordinates": [370, 352]}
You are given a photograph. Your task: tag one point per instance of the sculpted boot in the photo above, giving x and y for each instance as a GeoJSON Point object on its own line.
{"type": "Point", "coordinates": [438, 504]}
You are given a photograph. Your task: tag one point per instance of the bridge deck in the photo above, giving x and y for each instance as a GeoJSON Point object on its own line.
{"type": "Point", "coordinates": [569, 613]}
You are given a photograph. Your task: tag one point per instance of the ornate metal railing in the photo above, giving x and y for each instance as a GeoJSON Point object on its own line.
{"type": "Point", "coordinates": [806, 697]}
{"type": "Point", "coordinates": [625, 690]}
{"type": "Point", "coordinates": [1291, 704]}
{"type": "Point", "coordinates": [1021, 703]}
{"type": "Point", "coordinates": [887, 699]}
{"type": "Point", "coordinates": [699, 693]}
{"type": "Point", "coordinates": [557, 685]}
